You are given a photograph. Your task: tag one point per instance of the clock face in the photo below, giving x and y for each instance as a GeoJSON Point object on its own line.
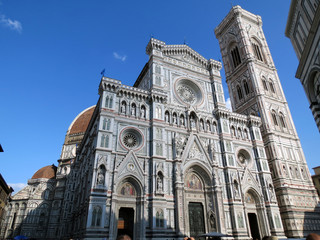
{"type": "Point", "coordinates": [188, 92]}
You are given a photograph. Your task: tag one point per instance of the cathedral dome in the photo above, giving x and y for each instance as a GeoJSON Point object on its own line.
{"type": "Point", "coordinates": [81, 122]}
{"type": "Point", "coordinates": [46, 172]}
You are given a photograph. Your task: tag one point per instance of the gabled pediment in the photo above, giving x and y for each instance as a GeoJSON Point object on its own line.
{"type": "Point", "coordinates": [248, 180]}
{"type": "Point", "coordinates": [181, 52]}
{"type": "Point", "coordinates": [130, 166]}
{"type": "Point", "coordinates": [194, 150]}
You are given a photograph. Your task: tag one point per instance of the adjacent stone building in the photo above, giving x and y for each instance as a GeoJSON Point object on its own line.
{"type": "Point", "coordinates": [166, 159]}
{"type": "Point", "coordinates": [5, 194]}
{"type": "Point", "coordinates": [304, 33]}
{"type": "Point", "coordinates": [316, 179]}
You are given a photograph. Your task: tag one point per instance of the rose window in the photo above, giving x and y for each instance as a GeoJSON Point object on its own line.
{"type": "Point", "coordinates": [188, 92]}
{"type": "Point", "coordinates": [130, 140]}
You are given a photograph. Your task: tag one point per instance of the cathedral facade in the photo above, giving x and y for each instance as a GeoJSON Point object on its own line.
{"type": "Point", "coordinates": [166, 159]}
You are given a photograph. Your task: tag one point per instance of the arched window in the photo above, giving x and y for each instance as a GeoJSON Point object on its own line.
{"type": "Point", "coordinates": [246, 87]}
{"type": "Point", "coordinates": [42, 219]}
{"type": "Point", "coordinates": [264, 83]}
{"type": "Point", "coordinates": [110, 102]}
{"type": "Point", "coordinates": [246, 135]}
{"type": "Point", "coordinates": [282, 121]}
{"type": "Point", "coordinates": [106, 104]}
{"type": "Point", "coordinates": [235, 56]}
{"type": "Point", "coordinates": [240, 96]}
{"type": "Point", "coordinates": [104, 141]}
{"type": "Point", "coordinates": [257, 51]}
{"type": "Point", "coordinates": [272, 86]}
{"type": "Point", "coordinates": [96, 216]}
{"type": "Point", "coordinates": [46, 194]}
{"type": "Point", "coordinates": [274, 117]}
{"type": "Point", "coordinates": [159, 219]}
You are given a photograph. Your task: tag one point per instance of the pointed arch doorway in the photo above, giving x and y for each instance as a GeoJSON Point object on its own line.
{"type": "Point", "coordinates": [128, 209]}
{"type": "Point", "coordinates": [253, 214]}
{"type": "Point", "coordinates": [200, 208]}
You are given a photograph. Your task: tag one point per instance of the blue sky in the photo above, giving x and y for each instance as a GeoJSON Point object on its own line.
{"type": "Point", "coordinates": [52, 53]}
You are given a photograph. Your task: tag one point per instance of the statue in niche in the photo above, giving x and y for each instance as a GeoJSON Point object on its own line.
{"type": "Point", "coordinates": [236, 189]}
{"type": "Point", "coordinates": [166, 117]}
{"type": "Point", "coordinates": [178, 143]}
{"type": "Point", "coordinates": [271, 192]}
{"type": "Point", "coordinates": [143, 112]}
{"type": "Point", "coordinates": [159, 184]}
{"type": "Point", "coordinates": [181, 120]}
{"type": "Point", "coordinates": [212, 220]}
{"type": "Point", "coordinates": [123, 107]}
{"type": "Point", "coordinates": [133, 110]}
{"type": "Point", "coordinates": [192, 122]}
{"type": "Point", "coordinates": [202, 125]}
{"type": "Point", "coordinates": [174, 119]}
{"type": "Point", "coordinates": [100, 178]}
{"type": "Point", "coordinates": [208, 127]}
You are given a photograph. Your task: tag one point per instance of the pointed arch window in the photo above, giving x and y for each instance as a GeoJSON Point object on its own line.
{"type": "Point", "coordinates": [42, 219]}
{"type": "Point", "coordinates": [235, 56]}
{"type": "Point", "coordinates": [246, 87]}
{"type": "Point", "coordinates": [96, 216]}
{"type": "Point", "coordinates": [240, 96]}
{"type": "Point", "coordinates": [104, 141]}
{"type": "Point", "coordinates": [257, 51]}
{"type": "Point", "coordinates": [159, 219]}
{"type": "Point", "coordinates": [282, 121]}
{"type": "Point", "coordinates": [274, 118]}
{"type": "Point", "coordinates": [264, 83]}
{"type": "Point", "coordinates": [106, 104]}
{"type": "Point", "coordinates": [106, 124]}
{"type": "Point", "coordinates": [110, 102]}
{"type": "Point", "coordinates": [272, 87]}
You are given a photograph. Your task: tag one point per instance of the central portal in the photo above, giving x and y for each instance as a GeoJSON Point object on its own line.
{"type": "Point", "coordinates": [254, 227]}
{"type": "Point", "coordinates": [126, 221]}
{"type": "Point", "coordinates": [196, 219]}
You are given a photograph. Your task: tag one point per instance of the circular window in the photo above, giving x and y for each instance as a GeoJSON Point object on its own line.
{"type": "Point", "coordinates": [244, 157]}
{"type": "Point", "coordinates": [131, 138]}
{"type": "Point", "coordinates": [188, 92]}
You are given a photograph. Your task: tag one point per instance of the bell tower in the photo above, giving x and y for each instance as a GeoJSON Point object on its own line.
{"type": "Point", "coordinates": [255, 89]}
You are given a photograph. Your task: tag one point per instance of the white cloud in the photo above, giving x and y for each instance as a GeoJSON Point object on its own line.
{"type": "Point", "coordinates": [17, 186]}
{"type": "Point", "coordinates": [120, 57]}
{"type": "Point", "coordinates": [228, 104]}
{"type": "Point", "coordinates": [12, 24]}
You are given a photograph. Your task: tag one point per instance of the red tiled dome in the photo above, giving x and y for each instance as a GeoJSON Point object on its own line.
{"type": "Point", "coordinates": [46, 172]}
{"type": "Point", "coordinates": [81, 122]}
